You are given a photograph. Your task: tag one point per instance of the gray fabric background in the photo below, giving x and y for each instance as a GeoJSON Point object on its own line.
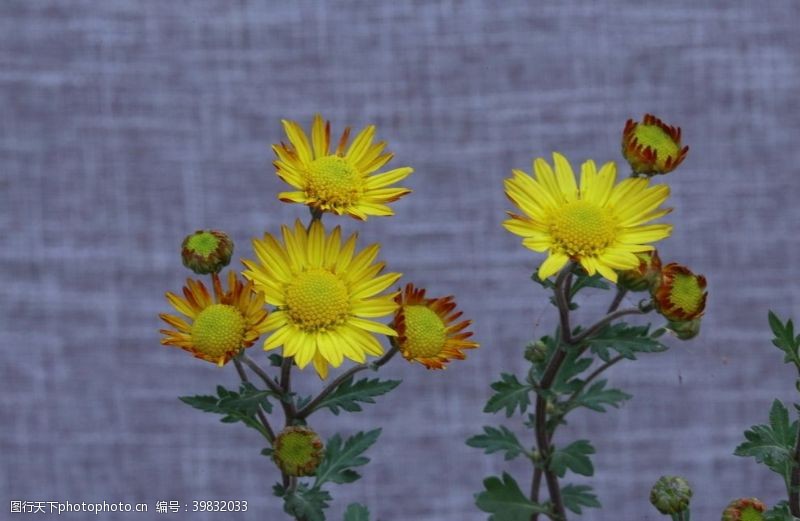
{"type": "Point", "coordinates": [127, 124]}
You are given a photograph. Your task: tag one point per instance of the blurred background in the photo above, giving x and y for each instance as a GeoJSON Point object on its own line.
{"type": "Point", "coordinates": [125, 125]}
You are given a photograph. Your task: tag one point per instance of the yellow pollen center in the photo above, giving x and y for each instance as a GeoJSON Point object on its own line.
{"type": "Point", "coordinates": [218, 330]}
{"type": "Point", "coordinates": [425, 332]}
{"type": "Point", "coordinates": [317, 300]}
{"type": "Point", "coordinates": [654, 137]}
{"type": "Point", "coordinates": [334, 181]}
{"type": "Point", "coordinates": [686, 293]}
{"type": "Point", "coordinates": [581, 228]}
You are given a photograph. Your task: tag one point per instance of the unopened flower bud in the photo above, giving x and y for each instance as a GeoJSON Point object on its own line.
{"type": "Point", "coordinates": [745, 509]}
{"type": "Point", "coordinates": [671, 495]}
{"type": "Point", "coordinates": [206, 251]}
{"type": "Point", "coordinates": [297, 451]}
{"type": "Point", "coordinates": [680, 294]}
{"type": "Point", "coordinates": [652, 147]}
{"type": "Point", "coordinates": [536, 352]}
{"type": "Point", "coordinates": [644, 276]}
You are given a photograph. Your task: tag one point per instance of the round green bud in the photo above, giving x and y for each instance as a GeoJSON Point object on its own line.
{"type": "Point", "coordinates": [671, 495]}
{"type": "Point", "coordinates": [536, 352]}
{"type": "Point", "coordinates": [297, 451]}
{"type": "Point", "coordinates": [206, 251]}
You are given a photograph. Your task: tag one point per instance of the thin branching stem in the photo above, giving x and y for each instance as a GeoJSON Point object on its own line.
{"type": "Point", "coordinates": [259, 412]}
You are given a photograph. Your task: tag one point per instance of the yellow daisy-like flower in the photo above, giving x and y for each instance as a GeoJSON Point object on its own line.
{"type": "Point", "coordinates": [324, 293]}
{"type": "Point", "coordinates": [343, 181]}
{"type": "Point", "coordinates": [599, 224]}
{"type": "Point", "coordinates": [219, 327]}
{"type": "Point", "coordinates": [427, 329]}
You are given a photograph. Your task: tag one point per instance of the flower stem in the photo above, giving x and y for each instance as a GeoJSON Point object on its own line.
{"type": "Point", "coordinates": [794, 480]}
{"type": "Point", "coordinates": [542, 436]}
{"type": "Point", "coordinates": [259, 412]}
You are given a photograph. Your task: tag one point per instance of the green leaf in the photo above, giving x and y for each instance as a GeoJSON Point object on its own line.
{"type": "Point", "coordinates": [565, 381]}
{"type": "Point", "coordinates": [583, 280]}
{"type": "Point", "coordinates": [509, 394]}
{"type": "Point", "coordinates": [626, 340]}
{"type": "Point", "coordinates": [574, 457]}
{"type": "Point", "coordinates": [596, 397]}
{"type": "Point", "coordinates": [773, 444]}
{"type": "Point", "coordinates": [779, 512]}
{"type": "Point", "coordinates": [275, 360]}
{"type": "Point", "coordinates": [577, 496]}
{"type": "Point", "coordinates": [304, 502]}
{"type": "Point", "coordinates": [347, 395]}
{"type": "Point", "coordinates": [497, 440]}
{"type": "Point", "coordinates": [234, 407]}
{"type": "Point", "coordinates": [356, 512]}
{"type": "Point", "coordinates": [340, 458]}
{"type": "Point", "coordinates": [505, 501]}
{"type": "Point", "coordinates": [785, 340]}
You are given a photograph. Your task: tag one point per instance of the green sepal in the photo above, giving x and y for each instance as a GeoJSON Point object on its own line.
{"type": "Point", "coordinates": [340, 458]}
{"type": "Point", "coordinates": [505, 501]}
{"type": "Point", "coordinates": [497, 440]}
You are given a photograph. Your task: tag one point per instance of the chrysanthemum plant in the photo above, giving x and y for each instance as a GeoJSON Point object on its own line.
{"type": "Point", "coordinates": [598, 234]}
{"type": "Point", "coordinates": [316, 296]}
{"type": "Point", "coordinates": [775, 444]}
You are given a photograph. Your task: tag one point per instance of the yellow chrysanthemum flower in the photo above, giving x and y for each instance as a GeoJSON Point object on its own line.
{"type": "Point", "coordinates": [221, 326]}
{"type": "Point", "coordinates": [324, 294]}
{"type": "Point", "coordinates": [599, 224]}
{"type": "Point", "coordinates": [342, 181]}
{"type": "Point", "coordinates": [427, 329]}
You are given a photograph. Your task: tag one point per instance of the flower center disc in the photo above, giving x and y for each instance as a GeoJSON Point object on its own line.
{"type": "Point", "coordinates": [218, 329]}
{"type": "Point", "coordinates": [317, 299]}
{"type": "Point", "coordinates": [332, 179]}
{"type": "Point", "coordinates": [686, 293]}
{"type": "Point", "coordinates": [654, 137]}
{"type": "Point", "coordinates": [424, 332]}
{"type": "Point", "coordinates": [203, 243]}
{"type": "Point", "coordinates": [582, 228]}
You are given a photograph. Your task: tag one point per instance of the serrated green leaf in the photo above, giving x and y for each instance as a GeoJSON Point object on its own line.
{"type": "Point", "coordinates": [624, 339]}
{"type": "Point", "coordinates": [356, 512]}
{"type": "Point", "coordinates": [497, 440]}
{"type": "Point", "coordinates": [565, 381]}
{"type": "Point", "coordinates": [340, 458]}
{"type": "Point", "coordinates": [505, 501]}
{"type": "Point", "coordinates": [773, 444]}
{"type": "Point", "coordinates": [510, 394]}
{"type": "Point", "coordinates": [779, 512]}
{"type": "Point", "coordinates": [596, 397]}
{"type": "Point", "coordinates": [235, 407]}
{"type": "Point", "coordinates": [575, 497]}
{"type": "Point", "coordinates": [785, 340]}
{"type": "Point", "coordinates": [304, 502]}
{"type": "Point", "coordinates": [574, 457]}
{"type": "Point", "coordinates": [348, 394]}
